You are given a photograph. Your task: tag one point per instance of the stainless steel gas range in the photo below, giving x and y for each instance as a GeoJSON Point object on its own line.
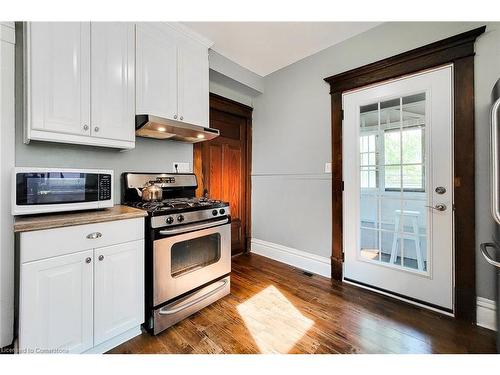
{"type": "Point", "coordinates": [188, 247]}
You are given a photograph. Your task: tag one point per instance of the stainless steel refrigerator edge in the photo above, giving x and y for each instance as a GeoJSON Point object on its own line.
{"type": "Point", "coordinates": [491, 250]}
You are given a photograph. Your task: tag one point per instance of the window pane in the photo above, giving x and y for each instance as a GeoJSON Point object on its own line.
{"type": "Point", "coordinates": [393, 177]}
{"type": "Point", "coordinates": [392, 147]}
{"type": "Point", "coordinates": [412, 177]}
{"type": "Point", "coordinates": [368, 177]}
{"type": "Point", "coordinates": [412, 145]}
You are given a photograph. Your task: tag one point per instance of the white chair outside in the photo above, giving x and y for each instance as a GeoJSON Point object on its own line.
{"type": "Point", "coordinates": [400, 234]}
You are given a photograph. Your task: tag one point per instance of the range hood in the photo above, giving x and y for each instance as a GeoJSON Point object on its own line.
{"type": "Point", "coordinates": [150, 126]}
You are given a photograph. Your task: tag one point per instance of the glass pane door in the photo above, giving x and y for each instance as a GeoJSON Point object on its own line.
{"type": "Point", "coordinates": [393, 197]}
{"type": "Point", "coordinates": [397, 156]}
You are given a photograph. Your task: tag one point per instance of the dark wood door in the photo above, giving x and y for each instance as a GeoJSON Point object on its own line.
{"type": "Point", "coordinates": [221, 166]}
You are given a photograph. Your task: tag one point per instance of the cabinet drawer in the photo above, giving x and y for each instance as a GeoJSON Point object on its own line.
{"type": "Point", "coordinates": [54, 242]}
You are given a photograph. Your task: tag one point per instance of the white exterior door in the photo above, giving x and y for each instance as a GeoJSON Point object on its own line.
{"type": "Point", "coordinates": [119, 289]}
{"type": "Point", "coordinates": [193, 83]}
{"type": "Point", "coordinates": [156, 72]}
{"type": "Point", "coordinates": [57, 304]}
{"type": "Point", "coordinates": [113, 90]}
{"type": "Point", "coordinates": [398, 187]}
{"type": "Point", "coordinates": [60, 76]}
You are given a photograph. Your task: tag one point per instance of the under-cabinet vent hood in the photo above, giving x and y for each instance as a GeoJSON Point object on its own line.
{"type": "Point", "coordinates": [158, 127]}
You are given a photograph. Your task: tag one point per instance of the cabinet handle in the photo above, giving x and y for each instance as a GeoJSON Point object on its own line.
{"type": "Point", "coordinates": [182, 118]}
{"type": "Point", "coordinates": [85, 127]}
{"type": "Point", "coordinates": [95, 235]}
{"type": "Point", "coordinates": [101, 257]}
{"type": "Point", "coordinates": [88, 260]}
{"type": "Point", "coordinates": [96, 129]}
{"type": "Point", "coordinates": [175, 117]}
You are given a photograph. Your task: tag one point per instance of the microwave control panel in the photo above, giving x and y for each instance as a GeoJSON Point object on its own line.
{"type": "Point", "coordinates": [105, 187]}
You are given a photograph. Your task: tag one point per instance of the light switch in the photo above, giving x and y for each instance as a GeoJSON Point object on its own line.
{"type": "Point", "coordinates": [328, 167]}
{"type": "Point", "coordinates": [181, 167]}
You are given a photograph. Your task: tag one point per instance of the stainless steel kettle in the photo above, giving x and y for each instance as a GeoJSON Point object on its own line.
{"type": "Point", "coordinates": [151, 192]}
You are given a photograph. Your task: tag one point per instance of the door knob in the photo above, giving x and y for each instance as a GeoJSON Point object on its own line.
{"type": "Point", "coordinates": [88, 260]}
{"type": "Point", "coordinates": [85, 127]}
{"type": "Point", "coordinates": [438, 207]}
{"type": "Point", "coordinates": [96, 129]}
{"type": "Point", "coordinates": [101, 257]}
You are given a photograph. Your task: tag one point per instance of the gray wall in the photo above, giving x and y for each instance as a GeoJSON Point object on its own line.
{"type": "Point", "coordinates": [291, 136]}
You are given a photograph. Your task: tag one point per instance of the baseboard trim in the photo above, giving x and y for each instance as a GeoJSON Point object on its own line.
{"type": "Point", "coordinates": [115, 341]}
{"type": "Point", "coordinates": [293, 257]}
{"type": "Point", "coordinates": [486, 313]}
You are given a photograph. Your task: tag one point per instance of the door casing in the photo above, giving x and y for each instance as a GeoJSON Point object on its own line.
{"type": "Point", "coordinates": [459, 51]}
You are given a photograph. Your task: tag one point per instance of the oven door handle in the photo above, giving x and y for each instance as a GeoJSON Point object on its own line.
{"type": "Point", "coordinates": [192, 227]}
{"type": "Point", "coordinates": [166, 311]}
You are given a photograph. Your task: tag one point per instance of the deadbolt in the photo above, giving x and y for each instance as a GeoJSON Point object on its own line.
{"type": "Point", "coordinates": [440, 190]}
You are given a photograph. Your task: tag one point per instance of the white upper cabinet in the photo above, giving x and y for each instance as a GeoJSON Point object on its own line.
{"type": "Point", "coordinates": [63, 61]}
{"type": "Point", "coordinates": [172, 73]}
{"type": "Point", "coordinates": [112, 80]}
{"type": "Point", "coordinates": [59, 77]}
{"type": "Point", "coordinates": [193, 88]}
{"type": "Point", "coordinates": [156, 73]}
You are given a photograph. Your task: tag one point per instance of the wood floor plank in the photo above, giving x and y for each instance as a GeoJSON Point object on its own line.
{"type": "Point", "coordinates": [275, 308]}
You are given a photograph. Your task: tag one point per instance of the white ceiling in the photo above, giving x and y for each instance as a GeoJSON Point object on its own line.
{"type": "Point", "coordinates": [264, 47]}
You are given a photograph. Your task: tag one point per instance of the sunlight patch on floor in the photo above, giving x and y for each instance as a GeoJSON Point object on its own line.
{"type": "Point", "coordinates": [273, 321]}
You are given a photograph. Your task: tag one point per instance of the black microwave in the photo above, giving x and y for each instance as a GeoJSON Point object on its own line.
{"type": "Point", "coordinates": [43, 190]}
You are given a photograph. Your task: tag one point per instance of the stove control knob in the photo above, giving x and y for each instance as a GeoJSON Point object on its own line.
{"type": "Point", "coordinates": [222, 211]}
{"type": "Point", "coordinates": [180, 218]}
{"type": "Point", "coordinates": [214, 212]}
{"type": "Point", "coordinates": [170, 220]}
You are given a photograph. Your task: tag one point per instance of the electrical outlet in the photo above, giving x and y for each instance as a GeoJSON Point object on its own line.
{"type": "Point", "coordinates": [181, 167]}
{"type": "Point", "coordinates": [328, 167]}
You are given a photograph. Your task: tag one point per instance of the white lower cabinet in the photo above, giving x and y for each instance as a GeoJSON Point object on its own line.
{"type": "Point", "coordinates": [57, 304]}
{"type": "Point", "coordinates": [118, 289]}
{"type": "Point", "coordinates": [86, 300]}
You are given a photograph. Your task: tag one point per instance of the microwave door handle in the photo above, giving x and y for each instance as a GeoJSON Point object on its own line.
{"type": "Point", "coordinates": [495, 174]}
{"type": "Point", "coordinates": [189, 228]}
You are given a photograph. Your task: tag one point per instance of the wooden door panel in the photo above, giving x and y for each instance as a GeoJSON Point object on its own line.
{"type": "Point", "coordinates": [232, 179]}
{"type": "Point", "coordinates": [221, 166]}
{"type": "Point", "coordinates": [215, 159]}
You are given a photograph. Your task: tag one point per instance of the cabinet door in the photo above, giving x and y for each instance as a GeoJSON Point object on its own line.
{"type": "Point", "coordinates": [193, 82]}
{"type": "Point", "coordinates": [118, 289]}
{"type": "Point", "coordinates": [156, 72]}
{"type": "Point", "coordinates": [112, 66]}
{"type": "Point", "coordinates": [56, 304]}
{"type": "Point", "coordinates": [59, 76]}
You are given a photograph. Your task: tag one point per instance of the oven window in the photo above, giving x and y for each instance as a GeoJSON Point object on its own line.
{"type": "Point", "coordinates": [196, 253]}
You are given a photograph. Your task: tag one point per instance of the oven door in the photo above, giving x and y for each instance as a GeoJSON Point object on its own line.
{"type": "Point", "coordinates": [183, 262]}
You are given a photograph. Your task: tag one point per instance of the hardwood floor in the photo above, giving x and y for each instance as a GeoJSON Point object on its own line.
{"type": "Point", "coordinates": [274, 308]}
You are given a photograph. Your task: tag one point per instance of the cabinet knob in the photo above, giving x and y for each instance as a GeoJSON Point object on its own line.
{"type": "Point", "coordinates": [175, 117]}
{"type": "Point", "coordinates": [101, 257]}
{"type": "Point", "coordinates": [96, 129]}
{"type": "Point", "coordinates": [88, 260]}
{"type": "Point", "coordinates": [93, 236]}
{"type": "Point", "coordinates": [182, 118]}
{"type": "Point", "coordinates": [85, 127]}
